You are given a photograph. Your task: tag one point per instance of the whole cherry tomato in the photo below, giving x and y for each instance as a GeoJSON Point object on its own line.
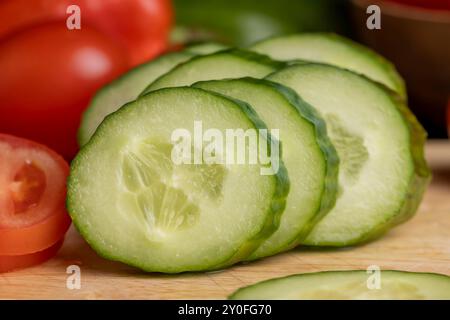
{"type": "Point", "coordinates": [142, 27]}
{"type": "Point", "coordinates": [48, 74]}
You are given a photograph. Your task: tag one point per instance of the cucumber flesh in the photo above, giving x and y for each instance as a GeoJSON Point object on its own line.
{"type": "Point", "coordinates": [350, 285]}
{"type": "Point", "coordinates": [133, 204]}
{"type": "Point", "coordinates": [127, 87]}
{"type": "Point", "coordinates": [383, 174]}
{"type": "Point", "coordinates": [123, 90]}
{"type": "Point", "coordinates": [130, 85]}
{"type": "Point", "coordinates": [205, 48]}
{"type": "Point", "coordinates": [335, 50]}
{"type": "Point", "coordinates": [310, 159]}
{"type": "Point", "coordinates": [232, 63]}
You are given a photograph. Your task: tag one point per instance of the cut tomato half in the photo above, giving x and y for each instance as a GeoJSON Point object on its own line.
{"type": "Point", "coordinates": [32, 197]}
{"type": "Point", "coordinates": [11, 263]}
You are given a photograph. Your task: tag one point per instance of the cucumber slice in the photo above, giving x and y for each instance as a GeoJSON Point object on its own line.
{"type": "Point", "coordinates": [205, 48]}
{"type": "Point", "coordinates": [232, 63]}
{"type": "Point", "coordinates": [335, 50]}
{"type": "Point", "coordinates": [382, 174]}
{"type": "Point", "coordinates": [350, 285]}
{"type": "Point", "coordinates": [133, 204]}
{"type": "Point", "coordinates": [125, 89]}
{"type": "Point", "coordinates": [310, 159]}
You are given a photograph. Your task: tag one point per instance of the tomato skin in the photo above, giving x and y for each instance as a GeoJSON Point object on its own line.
{"type": "Point", "coordinates": [35, 238]}
{"type": "Point", "coordinates": [12, 263]}
{"type": "Point", "coordinates": [49, 74]}
{"type": "Point", "coordinates": [142, 27]}
{"type": "Point", "coordinates": [25, 234]}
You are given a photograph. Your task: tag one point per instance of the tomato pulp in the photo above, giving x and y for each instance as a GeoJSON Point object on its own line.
{"type": "Point", "coordinates": [32, 197]}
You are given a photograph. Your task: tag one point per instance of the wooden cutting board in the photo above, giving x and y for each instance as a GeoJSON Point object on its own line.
{"type": "Point", "coordinates": [422, 244]}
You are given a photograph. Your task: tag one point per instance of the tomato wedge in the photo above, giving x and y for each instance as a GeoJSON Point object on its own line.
{"type": "Point", "coordinates": [11, 263]}
{"type": "Point", "coordinates": [32, 197]}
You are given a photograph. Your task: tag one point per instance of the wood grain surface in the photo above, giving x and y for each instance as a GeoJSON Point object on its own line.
{"type": "Point", "coordinates": [421, 244]}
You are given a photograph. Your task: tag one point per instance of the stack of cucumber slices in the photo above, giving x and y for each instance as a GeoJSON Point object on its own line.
{"type": "Point", "coordinates": [346, 154]}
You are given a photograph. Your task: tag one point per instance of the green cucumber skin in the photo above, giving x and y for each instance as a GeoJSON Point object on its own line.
{"type": "Point", "coordinates": [419, 180]}
{"type": "Point", "coordinates": [330, 190]}
{"type": "Point", "coordinates": [243, 54]}
{"type": "Point", "coordinates": [417, 185]}
{"type": "Point", "coordinates": [235, 295]}
{"type": "Point", "coordinates": [205, 48]}
{"type": "Point", "coordinates": [271, 224]}
{"type": "Point", "coordinates": [84, 133]}
{"type": "Point", "coordinates": [279, 198]}
{"type": "Point", "coordinates": [386, 65]}
{"type": "Point", "coordinates": [329, 193]}
{"type": "Point", "coordinates": [330, 187]}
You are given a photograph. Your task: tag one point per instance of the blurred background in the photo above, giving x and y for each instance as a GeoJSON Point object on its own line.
{"type": "Point", "coordinates": [48, 73]}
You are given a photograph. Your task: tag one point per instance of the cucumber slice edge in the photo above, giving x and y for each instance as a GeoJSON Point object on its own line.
{"type": "Point", "coordinates": [419, 179]}
{"type": "Point", "coordinates": [84, 133]}
{"type": "Point", "coordinates": [273, 215]}
{"type": "Point", "coordinates": [239, 53]}
{"type": "Point", "coordinates": [235, 294]}
{"type": "Point", "coordinates": [329, 190]}
{"type": "Point", "coordinates": [387, 66]}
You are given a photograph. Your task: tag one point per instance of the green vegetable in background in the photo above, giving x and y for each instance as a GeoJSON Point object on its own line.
{"type": "Point", "coordinates": [246, 21]}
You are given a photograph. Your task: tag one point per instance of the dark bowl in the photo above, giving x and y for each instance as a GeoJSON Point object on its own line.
{"type": "Point", "coordinates": [417, 41]}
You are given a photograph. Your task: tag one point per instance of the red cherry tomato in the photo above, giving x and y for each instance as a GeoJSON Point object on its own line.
{"type": "Point", "coordinates": [11, 263]}
{"type": "Point", "coordinates": [48, 74]}
{"type": "Point", "coordinates": [140, 26]}
{"type": "Point", "coordinates": [32, 197]}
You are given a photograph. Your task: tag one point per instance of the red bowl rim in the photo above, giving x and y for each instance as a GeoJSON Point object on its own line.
{"type": "Point", "coordinates": [407, 11]}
